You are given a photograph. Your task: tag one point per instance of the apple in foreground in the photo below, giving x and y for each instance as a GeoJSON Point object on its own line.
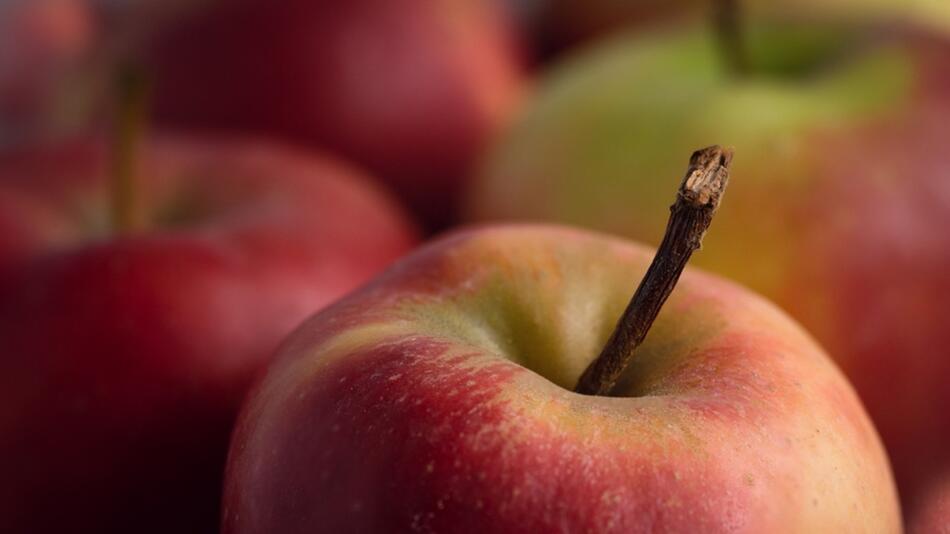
{"type": "Point", "coordinates": [438, 398]}
{"type": "Point", "coordinates": [412, 90]}
{"type": "Point", "coordinates": [124, 358]}
{"type": "Point", "coordinates": [848, 128]}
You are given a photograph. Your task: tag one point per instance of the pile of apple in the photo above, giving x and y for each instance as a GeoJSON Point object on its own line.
{"type": "Point", "coordinates": [218, 311]}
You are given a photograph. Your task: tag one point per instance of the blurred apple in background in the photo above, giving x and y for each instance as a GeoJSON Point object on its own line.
{"type": "Point", "coordinates": [554, 27]}
{"type": "Point", "coordinates": [44, 44]}
{"type": "Point", "coordinates": [125, 356]}
{"type": "Point", "coordinates": [411, 90]}
{"type": "Point", "coordinates": [438, 399]}
{"type": "Point", "coordinates": [848, 125]}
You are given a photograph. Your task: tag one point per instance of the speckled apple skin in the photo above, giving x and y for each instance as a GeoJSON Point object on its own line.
{"type": "Point", "coordinates": [437, 399]}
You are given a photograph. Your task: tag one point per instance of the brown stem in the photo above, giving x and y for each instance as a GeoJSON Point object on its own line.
{"type": "Point", "coordinates": [727, 18]}
{"type": "Point", "coordinates": [129, 122]}
{"type": "Point", "coordinates": [696, 201]}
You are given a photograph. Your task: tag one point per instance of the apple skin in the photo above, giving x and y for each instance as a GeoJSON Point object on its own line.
{"type": "Point", "coordinates": [437, 398]}
{"type": "Point", "coordinates": [850, 161]}
{"type": "Point", "coordinates": [125, 358]}
{"type": "Point", "coordinates": [412, 90]}
{"type": "Point", "coordinates": [933, 517]}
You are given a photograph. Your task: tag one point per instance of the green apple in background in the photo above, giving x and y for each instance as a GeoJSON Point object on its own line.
{"type": "Point", "coordinates": [555, 26]}
{"type": "Point", "coordinates": [847, 124]}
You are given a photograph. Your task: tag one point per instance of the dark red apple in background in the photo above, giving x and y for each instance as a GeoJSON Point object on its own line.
{"type": "Point", "coordinates": [123, 358]}
{"type": "Point", "coordinates": [410, 89]}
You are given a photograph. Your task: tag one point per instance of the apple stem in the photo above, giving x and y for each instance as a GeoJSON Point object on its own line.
{"type": "Point", "coordinates": [727, 18]}
{"type": "Point", "coordinates": [130, 121]}
{"type": "Point", "coordinates": [697, 199]}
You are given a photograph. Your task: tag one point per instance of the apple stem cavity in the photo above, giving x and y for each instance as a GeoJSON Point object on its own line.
{"type": "Point", "coordinates": [727, 19]}
{"type": "Point", "coordinates": [697, 200]}
{"type": "Point", "coordinates": [130, 120]}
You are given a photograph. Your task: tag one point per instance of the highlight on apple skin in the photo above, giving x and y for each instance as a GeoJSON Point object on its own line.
{"type": "Point", "coordinates": [437, 398]}
{"type": "Point", "coordinates": [125, 356]}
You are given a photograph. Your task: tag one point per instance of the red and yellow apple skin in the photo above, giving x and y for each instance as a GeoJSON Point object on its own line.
{"type": "Point", "coordinates": [413, 90]}
{"type": "Point", "coordinates": [851, 161]}
{"type": "Point", "coordinates": [873, 285]}
{"type": "Point", "coordinates": [123, 359]}
{"type": "Point", "coordinates": [437, 398]}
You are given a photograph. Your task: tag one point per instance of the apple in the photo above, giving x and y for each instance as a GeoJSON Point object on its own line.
{"type": "Point", "coordinates": [438, 399]}
{"type": "Point", "coordinates": [411, 90]}
{"type": "Point", "coordinates": [559, 26]}
{"type": "Point", "coordinates": [847, 127]}
{"type": "Point", "coordinates": [441, 397]}
{"type": "Point", "coordinates": [125, 356]}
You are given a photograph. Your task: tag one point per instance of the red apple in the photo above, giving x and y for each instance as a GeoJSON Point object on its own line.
{"type": "Point", "coordinates": [125, 357]}
{"type": "Point", "coordinates": [412, 90]}
{"type": "Point", "coordinates": [437, 399]}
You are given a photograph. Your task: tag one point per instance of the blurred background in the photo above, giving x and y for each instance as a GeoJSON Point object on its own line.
{"type": "Point", "coordinates": [183, 181]}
